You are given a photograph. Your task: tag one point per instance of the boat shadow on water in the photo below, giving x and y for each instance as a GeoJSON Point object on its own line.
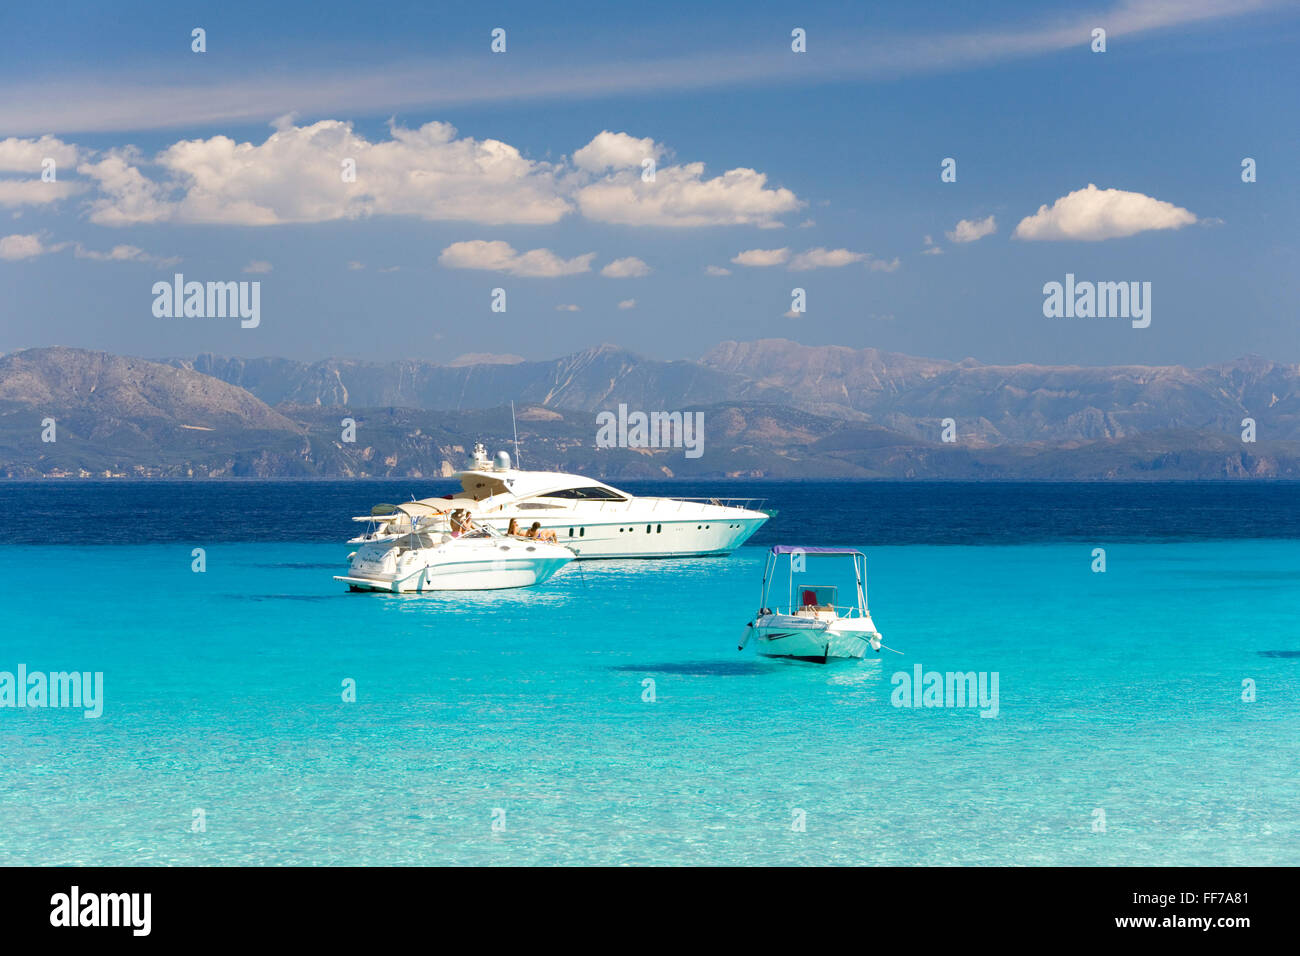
{"type": "Point", "coordinates": [698, 668]}
{"type": "Point", "coordinates": [727, 668]}
{"type": "Point", "coordinates": [285, 597]}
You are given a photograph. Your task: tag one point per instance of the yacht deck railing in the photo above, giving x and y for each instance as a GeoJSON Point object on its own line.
{"type": "Point", "coordinates": [750, 504]}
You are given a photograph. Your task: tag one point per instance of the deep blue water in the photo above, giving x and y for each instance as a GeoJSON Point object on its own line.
{"type": "Point", "coordinates": [1122, 695]}
{"type": "Point", "coordinates": [874, 513]}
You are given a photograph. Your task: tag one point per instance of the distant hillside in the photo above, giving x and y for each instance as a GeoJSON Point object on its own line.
{"type": "Point", "coordinates": [1021, 403]}
{"type": "Point", "coordinates": [771, 409]}
{"type": "Point", "coordinates": [122, 415]}
{"type": "Point", "coordinates": [992, 404]}
{"type": "Point", "coordinates": [116, 387]}
{"type": "Point", "coordinates": [592, 379]}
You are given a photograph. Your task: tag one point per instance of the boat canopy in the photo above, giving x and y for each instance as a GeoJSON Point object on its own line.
{"type": "Point", "coordinates": [421, 509]}
{"type": "Point", "coordinates": [793, 549]}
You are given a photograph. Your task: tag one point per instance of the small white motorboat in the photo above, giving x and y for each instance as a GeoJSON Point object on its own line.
{"type": "Point", "coordinates": [477, 558]}
{"type": "Point", "coordinates": [813, 625]}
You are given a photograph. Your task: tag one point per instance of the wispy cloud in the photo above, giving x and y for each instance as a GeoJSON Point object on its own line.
{"type": "Point", "coordinates": [29, 246]}
{"type": "Point", "coordinates": [972, 230]}
{"type": "Point", "coordinates": [820, 258]}
{"type": "Point", "coordinates": [151, 98]}
{"type": "Point", "coordinates": [761, 258]}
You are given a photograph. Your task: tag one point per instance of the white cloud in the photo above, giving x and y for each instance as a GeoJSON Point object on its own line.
{"type": "Point", "coordinates": [616, 151]}
{"type": "Point", "coordinates": [1094, 214]}
{"type": "Point", "coordinates": [355, 266]}
{"type": "Point", "coordinates": [568, 308]}
{"type": "Point", "coordinates": [682, 196]}
{"type": "Point", "coordinates": [258, 266]}
{"type": "Point", "coordinates": [296, 176]}
{"type": "Point", "coordinates": [972, 230]}
{"type": "Point", "coordinates": [128, 195]}
{"type": "Point", "coordinates": [792, 314]}
{"type": "Point", "coordinates": [717, 271]}
{"type": "Point", "coordinates": [931, 249]}
{"type": "Point", "coordinates": [761, 258]}
{"type": "Point", "coordinates": [627, 304]}
{"type": "Point", "coordinates": [18, 247]}
{"type": "Point", "coordinates": [628, 268]}
{"type": "Point", "coordinates": [882, 265]}
{"type": "Point", "coordinates": [820, 258]}
{"type": "Point", "coordinates": [26, 155]}
{"type": "Point", "coordinates": [34, 192]}
{"type": "Point", "coordinates": [498, 256]}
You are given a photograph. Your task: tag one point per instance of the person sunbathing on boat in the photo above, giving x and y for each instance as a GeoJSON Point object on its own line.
{"type": "Point", "coordinates": [536, 532]}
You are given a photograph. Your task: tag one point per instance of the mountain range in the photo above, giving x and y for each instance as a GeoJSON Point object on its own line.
{"type": "Point", "coordinates": [771, 408]}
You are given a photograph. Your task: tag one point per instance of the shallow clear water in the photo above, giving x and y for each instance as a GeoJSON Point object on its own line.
{"type": "Point", "coordinates": [1119, 691]}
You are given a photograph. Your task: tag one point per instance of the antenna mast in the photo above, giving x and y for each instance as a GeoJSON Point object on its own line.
{"type": "Point", "coordinates": [514, 426]}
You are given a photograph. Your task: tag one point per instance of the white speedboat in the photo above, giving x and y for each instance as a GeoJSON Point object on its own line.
{"type": "Point", "coordinates": [425, 559]}
{"type": "Point", "coordinates": [591, 518]}
{"type": "Point", "coordinates": [814, 624]}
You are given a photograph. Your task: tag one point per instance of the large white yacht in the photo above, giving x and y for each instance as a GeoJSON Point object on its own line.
{"type": "Point", "coordinates": [590, 518]}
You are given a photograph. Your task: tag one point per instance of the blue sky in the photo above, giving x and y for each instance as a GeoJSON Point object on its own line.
{"type": "Point", "coordinates": [838, 148]}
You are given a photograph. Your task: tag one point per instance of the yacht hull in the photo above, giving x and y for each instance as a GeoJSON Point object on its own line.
{"type": "Point", "coordinates": [457, 567]}
{"type": "Point", "coordinates": [601, 538]}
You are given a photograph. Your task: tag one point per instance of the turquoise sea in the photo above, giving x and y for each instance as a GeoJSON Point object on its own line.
{"type": "Point", "coordinates": [1119, 692]}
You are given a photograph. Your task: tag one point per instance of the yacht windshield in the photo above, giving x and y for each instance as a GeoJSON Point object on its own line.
{"type": "Point", "coordinates": [592, 493]}
{"type": "Point", "coordinates": [819, 597]}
